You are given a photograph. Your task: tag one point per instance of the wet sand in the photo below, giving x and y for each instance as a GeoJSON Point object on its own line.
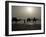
{"type": "Point", "coordinates": [18, 27]}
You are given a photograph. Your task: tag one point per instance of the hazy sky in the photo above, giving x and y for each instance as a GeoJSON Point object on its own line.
{"type": "Point", "coordinates": [26, 11]}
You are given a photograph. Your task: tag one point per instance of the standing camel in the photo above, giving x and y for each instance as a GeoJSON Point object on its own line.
{"type": "Point", "coordinates": [34, 20]}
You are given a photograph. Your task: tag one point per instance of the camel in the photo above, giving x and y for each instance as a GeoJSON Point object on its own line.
{"type": "Point", "coordinates": [28, 19]}
{"type": "Point", "coordinates": [34, 20]}
{"type": "Point", "coordinates": [16, 20]}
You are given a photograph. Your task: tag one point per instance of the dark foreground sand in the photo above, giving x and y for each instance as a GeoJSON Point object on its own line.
{"type": "Point", "coordinates": [18, 27]}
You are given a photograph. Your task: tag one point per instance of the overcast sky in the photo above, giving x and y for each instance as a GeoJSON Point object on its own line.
{"type": "Point", "coordinates": [26, 11]}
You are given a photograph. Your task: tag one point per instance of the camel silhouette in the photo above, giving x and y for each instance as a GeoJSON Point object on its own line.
{"type": "Point", "coordinates": [34, 19]}
{"type": "Point", "coordinates": [15, 19]}
{"type": "Point", "coordinates": [28, 19]}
